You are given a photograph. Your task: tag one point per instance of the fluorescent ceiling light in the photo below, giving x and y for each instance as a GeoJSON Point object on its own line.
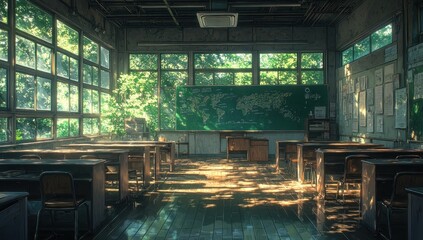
{"type": "Point", "coordinates": [217, 20]}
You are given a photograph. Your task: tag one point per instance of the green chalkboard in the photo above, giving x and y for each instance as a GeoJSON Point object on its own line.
{"type": "Point", "coordinates": [247, 107]}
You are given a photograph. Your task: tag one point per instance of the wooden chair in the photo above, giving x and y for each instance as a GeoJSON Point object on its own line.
{"type": "Point", "coordinates": [58, 194]}
{"type": "Point", "coordinates": [395, 207]}
{"type": "Point", "coordinates": [352, 174]}
{"type": "Point", "coordinates": [407, 156]}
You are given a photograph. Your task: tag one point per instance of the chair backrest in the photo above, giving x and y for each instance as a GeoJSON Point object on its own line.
{"type": "Point", "coordinates": [30, 156]}
{"type": "Point", "coordinates": [56, 185]}
{"type": "Point", "coordinates": [407, 156]}
{"type": "Point", "coordinates": [352, 168]}
{"type": "Point", "coordinates": [403, 180]}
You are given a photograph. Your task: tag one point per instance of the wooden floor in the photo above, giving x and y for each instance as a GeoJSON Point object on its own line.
{"type": "Point", "coordinates": [215, 198]}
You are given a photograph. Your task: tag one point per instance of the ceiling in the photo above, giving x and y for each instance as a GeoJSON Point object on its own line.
{"type": "Point", "coordinates": [251, 13]}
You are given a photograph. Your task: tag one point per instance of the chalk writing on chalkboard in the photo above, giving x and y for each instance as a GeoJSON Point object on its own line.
{"type": "Point", "coordinates": [246, 107]}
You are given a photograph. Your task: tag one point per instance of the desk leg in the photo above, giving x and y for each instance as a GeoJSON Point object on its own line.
{"type": "Point", "coordinates": [147, 168]}
{"type": "Point", "coordinates": [277, 156]}
{"type": "Point", "coordinates": [157, 164]}
{"type": "Point", "coordinates": [172, 157]}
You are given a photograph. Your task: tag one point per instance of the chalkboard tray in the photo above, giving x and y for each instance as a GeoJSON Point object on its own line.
{"type": "Point", "coordinates": [247, 107]}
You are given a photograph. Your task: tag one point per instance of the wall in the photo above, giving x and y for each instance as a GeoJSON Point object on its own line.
{"type": "Point", "coordinates": [367, 18]}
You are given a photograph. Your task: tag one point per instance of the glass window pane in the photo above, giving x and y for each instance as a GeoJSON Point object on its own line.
{"type": "Point", "coordinates": [143, 61]}
{"type": "Point", "coordinates": [95, 75]}
{"type": "Point", "coordinates": [223, 60]}
{"type": "Point", "coordinates": [287, 77]}
{"type": "Point", "coordinates": [105, 79]}
{"type": "Point", "coordinates": [3, 10]}
{"type": "Point", "coordinates": [242, 78]}
{"type": "Point", "coordinates": [87, 101]}
{"type": "Point", "coordinates": [173, 79]}
{"type": "Point", "coordinates": [90, 50]}
{"type": "Point", "coordinates": [25, 129]}
{"type": "Point", "coordinates": [203, 78]}
{"type": "Point", "coordinates": [174, 61]}
{"type": "Point", "coordinates": [312, 60]}
{"type": "Point", "coordinates": [3, 130]}
{"type": "Point", "coordinates": [43, 93]}
{"type": "Point", "coordinates": [382, 37]}
{"type": "Point", "coordinates": [25, 52]}
{"type": "Point", "coordinates": [62, 127]}
{"type": "Point", "coordinates": [3, 44]}
{"type": "Point", "coordinates": [44, 58]}
{"type": "Point", "coordinates": [312, 77]}
{"type": "Point", "coordinates": [95, 101]}
{"type": "Point", "coordinates": [105, 57]}
{"type": "Point", "coordinates": [74, 69]}
{"type": "Point", "coordinates": [278, 60]}
{"type": "Point", "coordinates": [223, 78]}
{"type": "Point", "coordinates": [33, 20]}
{"type": "Point", "coordinates": [90, 126]}
{"type": "Point", "coordinates": [74, 98]}
{"type": "Point", "coordinates": [347, 56]}
{"type": "Point", "coordinates": [73, 127]}
{"type": "Point", "coordinates": [67, 38]}
{"type": "Point", "coordinates": [44, 128]}
{"type": "Point", "coordinates": [25, 91]}
{"type": "Point", "coordinates": [105, 98]}
{"type": "Point", "coordinates": [362, 48]}
{"type": "Point", "coordinates": [3, 88]}
{"type": "Point", "coordinates": [88, 74]}
{"type": "Point", "coordinates": [269, 78]}
{"type": "Point", "coordinates": [62, 65]}
{"type": "Point", "coordinates": [63, 97]}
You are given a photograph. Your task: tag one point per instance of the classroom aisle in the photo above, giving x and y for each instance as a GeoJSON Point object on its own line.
{"type": "Point", "coordinates": [215, 198]}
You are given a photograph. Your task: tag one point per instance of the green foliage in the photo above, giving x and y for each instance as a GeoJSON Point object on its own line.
{"type": "Point", "coordinates": [3, 129]}
{"type": "Point", "coordinates": [3, 88]}
{"type": "Point", "coordinates": [134, 97]}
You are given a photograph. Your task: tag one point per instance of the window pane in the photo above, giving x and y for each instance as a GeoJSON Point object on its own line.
{"type": "Point", "coordinates": [91, 126]}
{"type": "Point", "coordinates": [382, 37]}
{"type": "Point", "coordinates": [105, 79]}
{"type": "Point", "coordinates": [170, 80]}
{"type": "Point", "coordinates": [278, 60]}
{"type": "Point", "coordinates": [90, 50]}
{"type": "Point", "coordinates": [104, 57]}
{"type": "Point", "coordinates": [33, 20]}
{"type": "Point", "coordinates": [3, 11]}
{"type": "Point", "coordinates": [312, 77]}
{"type": "Point", "coordinates": [223, 60]}
{"type": "Point", "coordinates": [74, 98]}
{"type": "Point", "coordinates": [95, 101]}
{"type": "Point", "coordinates": [95, 76]}
{"type": "Point", "coordinates": [87, 101]}
{"type": "Point", "coordinates": [223, 78]}
{"type": "Point", "coordinates": [43, 58]}
{"type": "Point", "coordinates": [62, 127]}
{"type": "Point", "coordinates": [278, 77]}
{"type": "Point", "coordinates": [105, 98]}
{"type": "Point", "coordinates": [74, 69]}
{"type": "Point", "coordinates": [25, 52]}
{"type": "Point", "coordinates": [43, 93]}
{"type": "Point", "coordinates": [174, 61]}
{"type": "Point", "coordinates": [44, 128]}
{"type": "Point", "coordinates": [25, 91]}
{"type": "Point", "coordinates": [362, 48]}
{"type": "Point", "coordinates": [243, 78]}
{"type": "Point", "coordinates": [88, 74]}
{"type": "Point", "coordinates": [62, 65]}
{"type": "Point", "coordinates": [25, 129]}
{"type": "Point", "coordinates": [3, 88]}
{"type": "Point", "coordinates": [105, 125]}
{"type": "Point", "coordinates": [312, 60]}
{"type": "Point", "coordinates": [3, 130]}
{"type": "Point", "coordinates": [347, 56]}
{"type": "Point", "coordinates": [67, 38]}
{"type": "Point", "coordinates": [203, 79]}
{"type": "Point", "coordinates": [3, 44]}
{"type": "Point", "coordinates": [74, 127]}
{"type": "Point", "coordinates": [287, 77]}
{"type": "Point", "coordinates": [63, 97]}
{"type": "Point", "coordinates": [143, 61]}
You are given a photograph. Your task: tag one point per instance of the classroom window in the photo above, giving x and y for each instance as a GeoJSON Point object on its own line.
{"type": "Point", "coordinates": [32, 20]}
{"type": "Point", "coordinates": [143, 61]}
{"type": "Point", "coordinates": [90, 75]}
{"type": "Point", "coordinates": [67, 127]}
{"type": "Point", "coordinates": [4, 45]}
{"type": "Point", "coordinates": [90, 101]}
{"type": "Point", "coordinates": [278, 68]}
{"type": "Point", "coordinates": [33, 129]}
{"type": "Point", "coordinates": [90, 126]}
{"type": "Point", "coordinates": [26, 51]}
{"type": "Point", "coordinates": [105, 79]}
{"type": "Point", "coordinates": [3, 11]}
{"type": "Point", "coordinates": [362, 48]}
{"type": "Point", "coordinates": [90, 50]}
{"type": "Point", "coordinates": [67, 67]}
{"type": "Point", "coordinates": [67, 100]}
{"type": "Point", "coordinates": [67, 38]}
{"type": "Point", "coordinates": [381, 37]}
{"type": "Point", "coordinates": [348, 55]}
{"type": "Point", "coordinates": [4, 130]}
{"type": "Point", "coordinates": [3, 88]}
{"type": "Point", "coordinates": [104, 55]}
{"type": "Point", "coordinates": [278, 77]}
{"type": "Point", "coordinates": [32, 91]}
{"type": "Point", "coordinates": [312, 68]}
{"type": "Point", "coordinates": [43, 93]}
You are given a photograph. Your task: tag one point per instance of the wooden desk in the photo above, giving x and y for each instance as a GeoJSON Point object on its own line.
{"type": "Point", "coordinates": [88, 174]}
{"type": "Point", "coordinates": [306, 152]}
{"type": "Point", "coordinates": [13, 215]}
{"type": "Point", "coordinates": [286, 149]}
{"type": "Point", "coordinates": [415, 213]}
{"type": "Point", "coordinates": [118, 156]}
{"type": "Point", "coordinates": [237, 145]}
{"type": "Point", "coordinates": [259, 150]}
{"type": "Point", "coordinates": [377, 183]}
{"type": "Point", "coordinates": [331, 161]}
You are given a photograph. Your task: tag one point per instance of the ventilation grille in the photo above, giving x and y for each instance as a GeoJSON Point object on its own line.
{"type": "Point", "coordinates": [217, 20]}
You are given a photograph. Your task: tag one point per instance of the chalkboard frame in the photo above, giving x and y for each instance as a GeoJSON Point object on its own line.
{"type": "Point", "coordinates": [281, 107]}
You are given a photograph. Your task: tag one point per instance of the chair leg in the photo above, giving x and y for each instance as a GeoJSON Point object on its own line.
{"type": "Point", "coordinates": [37, 225]}
{"type": "Point", "coordinates": [388, 213]}
{"type": "Point", "coordinates": [76, 224]}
